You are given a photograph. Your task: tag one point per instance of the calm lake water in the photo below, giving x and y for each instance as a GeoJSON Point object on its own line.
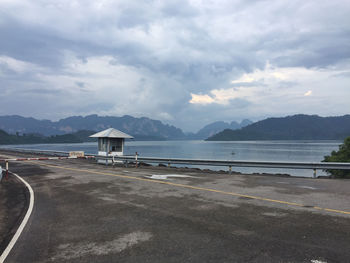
{"type": "Point", "coordinates": [304, 151]}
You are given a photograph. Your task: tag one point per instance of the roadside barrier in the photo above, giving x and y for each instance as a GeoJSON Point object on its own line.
{"type": "Point", "coordinates": [136, 159]}
{"type": "Point", "coordinates": [40, 159]}
{"type": "Point", "coordinates": [229, 163]}
{"type": "Point", "coordinates": [6, 171]}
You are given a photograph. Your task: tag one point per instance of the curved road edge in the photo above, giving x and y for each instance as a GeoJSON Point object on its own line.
{"type": "Point", "coordinates": [24, 222]}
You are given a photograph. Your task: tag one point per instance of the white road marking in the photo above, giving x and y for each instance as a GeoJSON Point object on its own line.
{"type": "Point", "coordinates": [23, 224]}
{"type": "Point", "coordinates": [166, 176]}
{"type": "Point", "coordinates": [307, 187]}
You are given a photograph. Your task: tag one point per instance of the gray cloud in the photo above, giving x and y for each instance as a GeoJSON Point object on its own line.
{"type": "Point", "coordinates": [147, 58]}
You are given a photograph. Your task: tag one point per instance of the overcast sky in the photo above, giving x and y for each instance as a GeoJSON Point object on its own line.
{"type": "Point", "coordinates": [186, 63]}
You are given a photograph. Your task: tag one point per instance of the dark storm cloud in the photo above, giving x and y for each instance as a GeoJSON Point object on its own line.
{"type": "Point", "coordinates": [34, 45]}
{"type": "Point", "coordinates": [314, 50]}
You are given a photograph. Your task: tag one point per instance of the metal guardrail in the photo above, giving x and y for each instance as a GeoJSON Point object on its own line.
{"type": "Point", "coordinates": [37, 151]}
{"type": "Point", "coordinates": [261, 164]}
{"type": "Point", "coordinates": [228, 163]}
{"type": "Point", "coordinates": [54, 155]}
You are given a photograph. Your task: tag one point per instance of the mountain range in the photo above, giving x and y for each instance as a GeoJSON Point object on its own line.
{"type": "Point", "coordinates": [17, 129]}
{"type": "Point", "coordinates": [77, 137]}
{"type": "Point", "coordinates": [297, 127]}
{"type": "Point", "coordinates": [141, 128]}
{"type": "Point", "coordinates": [216, 127]}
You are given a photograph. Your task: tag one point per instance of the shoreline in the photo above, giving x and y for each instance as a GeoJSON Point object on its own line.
{"type": "Point", "coordinates": [269, 151]}
{"type": "Point", "coordinates": [178, 168]}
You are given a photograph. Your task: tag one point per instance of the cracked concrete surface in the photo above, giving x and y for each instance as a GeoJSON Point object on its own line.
{"type": "Point", "coordinates": [82, 249]}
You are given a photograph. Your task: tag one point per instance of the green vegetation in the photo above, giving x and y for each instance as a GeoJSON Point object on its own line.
{"type": "Point", "coordinates": [297, 127]}
{"type": "Point", "coordinates": [142, 127]}
{"type": "Point", "coordinates": [78, 137]}
{"type": "Point", "coordinates": [342, 155]}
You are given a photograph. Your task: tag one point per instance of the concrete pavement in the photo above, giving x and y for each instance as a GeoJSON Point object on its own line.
{"type": "Point", "coordinates": [86, 212]}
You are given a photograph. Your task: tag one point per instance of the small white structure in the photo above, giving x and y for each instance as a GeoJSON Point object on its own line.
{"type": "Point", "coordinates": [111, 142]}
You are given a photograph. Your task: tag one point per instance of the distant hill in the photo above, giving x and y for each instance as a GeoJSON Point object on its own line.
{"type": "Point", "coordinates": [138, 127]}
{"type": "Point", "coordinates": [6, 138]}
{"type": "Point", "coordinates": [84, 136]}
{"type": "Point", "coordinates": [141, 128]}
{"type": "Point", "coordinates": [215, 127]}
{"type": "Point", "coordinates": [15, 123]}
{"type": "Point", "coordinates": [297, 127]}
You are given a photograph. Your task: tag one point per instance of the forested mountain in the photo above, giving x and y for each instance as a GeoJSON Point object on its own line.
{"type": "Point", "coordinates": [138, 127]}
{"type": "Point", "coordinates": [297, 127]}
{"type": "Point", "coordinates": [215, 127]}
{"type": "Point", "coordinates": [6, 138]}
{"type": "Point", "coordinates": [141, 128]}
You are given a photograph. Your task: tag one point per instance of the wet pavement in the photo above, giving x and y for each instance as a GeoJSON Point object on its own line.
{"type": "Point", "coordinates": [85, 212]}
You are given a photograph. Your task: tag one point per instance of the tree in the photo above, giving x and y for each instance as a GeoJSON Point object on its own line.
{"type": "Point", "coordinates": [342, 155]}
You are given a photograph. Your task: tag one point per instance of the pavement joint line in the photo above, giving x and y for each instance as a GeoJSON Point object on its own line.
{"type": "Point", "coordinates": [195, 187]}
{"type": "Point", "coordinates": [24, 221]}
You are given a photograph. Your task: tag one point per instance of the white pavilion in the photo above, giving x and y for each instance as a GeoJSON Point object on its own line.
{"type": "Point", "coordinates": [111, 142]}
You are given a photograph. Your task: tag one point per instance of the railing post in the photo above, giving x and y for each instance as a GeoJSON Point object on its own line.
{"type": "Point", "coordinates": [7, 170]}
{"type": "Point", "coordinates": [230, 169]}
{"type": "Point", "coordinates": [314, 175]}
{"type": "Point", "coordinates": [136, 159]}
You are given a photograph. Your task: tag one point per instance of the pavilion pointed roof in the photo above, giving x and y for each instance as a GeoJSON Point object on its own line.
{"type": "Point", "coordinates": [111, 133]}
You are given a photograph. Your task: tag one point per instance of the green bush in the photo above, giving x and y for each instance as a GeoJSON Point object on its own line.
{"type": "Point", "coordinates": [343, 156]}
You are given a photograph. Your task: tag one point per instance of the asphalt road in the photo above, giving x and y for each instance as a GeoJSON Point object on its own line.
{"type": "Point", "coordinates": [85, 212]}
{"type": "Point", "coordinates": [13, 205]}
